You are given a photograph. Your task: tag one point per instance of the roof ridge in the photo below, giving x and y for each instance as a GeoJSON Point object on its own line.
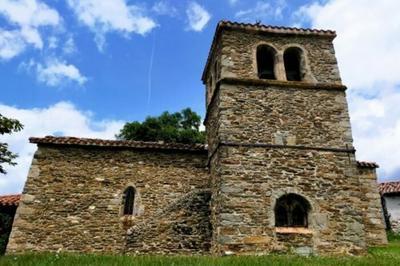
{"type": "Point", "coordinates": [390, 182]}
{"type": "Point", "coordinates": [66, 140]}
{"type": "Point", "coordinates": [10, 195]}
{"type": "Point", "coordinates": [273, 27]}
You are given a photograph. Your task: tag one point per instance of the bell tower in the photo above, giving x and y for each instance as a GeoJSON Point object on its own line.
{"type": "Point", "coordinates": [282, 162]}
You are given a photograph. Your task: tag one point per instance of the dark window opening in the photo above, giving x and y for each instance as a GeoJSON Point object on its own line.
{"type": "Point", "coordinates": [292, 60]}
{"type": "Point", "coordinates": [129, 200]}
{"type": "Point", "coordinates": [265, 62]}
{"type": "Point", "coordinates": [291, 210]}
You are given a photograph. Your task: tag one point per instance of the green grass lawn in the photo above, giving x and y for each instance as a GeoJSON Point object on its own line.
{"type": "Point", "coordinates": [389, 255]}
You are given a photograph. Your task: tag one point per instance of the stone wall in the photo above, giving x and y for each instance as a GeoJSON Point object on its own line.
{"type": "Point", "coordinates": [374, 220]}
{"type": "Point", "coordinates": [251, 179]}
{"type": "Point", "coordinates": [284, 115]}
{"type": "Point", "coordinates": [271, 139]}
{"type": "Point", "coordinates": [238, 54]}
{"type": "Point", "coordinates": [72, 198]}
{"type": "Point", "coordinates": [181, 228]}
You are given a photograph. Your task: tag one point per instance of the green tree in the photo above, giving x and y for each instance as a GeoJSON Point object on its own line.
{"type": "Point", "coordinates": [179, 127]}
{"type": "Point", "coordinates": [7, 126]}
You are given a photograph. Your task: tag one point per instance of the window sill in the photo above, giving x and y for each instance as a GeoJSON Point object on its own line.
{"type": "Point", "coordinates": [293, 230]}
{"type": "Point", "coordinates": [127, 217]}
{"type": "Point", "coordinates": [127, 220]}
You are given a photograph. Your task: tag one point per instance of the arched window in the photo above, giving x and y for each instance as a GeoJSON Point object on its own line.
{"type": "Point", "coordinates": [292, 59]}
{"type": "Point", "coordinates": [265, 62]}
{"type": "Point", "coordinates": [291, 210]}
{"type": "Point", "coordinates": [129, 200]}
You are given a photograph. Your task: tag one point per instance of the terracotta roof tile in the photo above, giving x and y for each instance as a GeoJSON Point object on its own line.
{"type": "Point", "coordinates": [367, 164]}
{"type": "Point", "coordinates": [9, 200]}
{"type": "Point", "coordinates": [276, 29]}
{"type": "Point", "coordinates": [118, 143]}
{"type": "Point", "coordinates": [389, 187]}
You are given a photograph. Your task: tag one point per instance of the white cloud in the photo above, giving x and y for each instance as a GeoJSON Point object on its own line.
{"type": "Point", "coordinates": [40, 122]}
{"type": "Point", "coordinates": [197, 16]}
{"type": "Point", "coordinates": [26, 17]}
{"type": "Point", "coordinates": [376, 128]}
{"type": "Point", "coordinates": [368, 51]}
{"type": "Point", "coordinates": [164, 8]}
{"type": "Point", "coordinates": [263, 10]}
{"type": "Point", "coordinates": [55, 72]}
{"type": "Point", "coordinates": [52, 42]}
{"type": "Point", "coordinates": [64, 44]}
{"type": "Point", "coordinates": [367, 44]}
{"type": "Point", "coordinates": [105, 16]}
{"type": "Point", "coordinates": [11, 44]}
{"type": "Point", "coordinates": [69, 46]}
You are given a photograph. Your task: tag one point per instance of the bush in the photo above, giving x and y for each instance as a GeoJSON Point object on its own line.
{"type": "Point", "coordinates": [392, 236]}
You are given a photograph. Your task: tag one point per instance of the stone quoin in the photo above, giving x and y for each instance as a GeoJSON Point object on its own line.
{"type": "Point", "coordinates": [279, 172]}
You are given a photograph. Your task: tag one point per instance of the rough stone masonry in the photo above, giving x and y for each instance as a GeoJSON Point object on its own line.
{"type": "Point", "coordinates": [279, 173]}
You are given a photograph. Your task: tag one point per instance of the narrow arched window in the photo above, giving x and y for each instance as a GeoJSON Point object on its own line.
{"type": "Point", "coordinates": [265, 62]}
{"type": "Point", "coordinates": [292, 60]}
{"type": "Point", "coordinates": [291, 210]}
{"type": "Point", "coordinates": [129, 200]}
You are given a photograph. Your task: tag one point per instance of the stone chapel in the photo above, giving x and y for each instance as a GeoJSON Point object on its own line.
{"type": "Point", "coordinates": [279, 172]}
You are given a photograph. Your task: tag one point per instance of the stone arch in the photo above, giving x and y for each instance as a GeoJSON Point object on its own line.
{"type": "Point", "coordinates": [265, 57]}
{"type": "Point", "coordinates": [130, 201]}
{"type": "Point", "coordinates": [273, 57]}
{"type": "Point", "coordinates": [313, 212]}
{"type": "Point", "coordinates": [292, 210]}
{"type": "Point", "coordinates": [295, 63]}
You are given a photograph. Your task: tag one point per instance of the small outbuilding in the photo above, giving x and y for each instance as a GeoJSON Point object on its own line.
{"type": "Point", "coordinates": [390, 192]}
{"type": "Point", "coordinates": [8, 206]}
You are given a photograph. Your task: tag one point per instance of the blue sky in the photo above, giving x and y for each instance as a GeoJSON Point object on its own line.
{"type": "Point", "coordinates": [84, 68]}
{"type": "Point", "coordinates": [115, 77]}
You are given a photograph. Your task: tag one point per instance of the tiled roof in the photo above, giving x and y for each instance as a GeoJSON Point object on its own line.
{"type": "Point", "coordinates": [367, 164]}
{"type": "Point", "coordinates": [275, 29]}
{"type": "Point", "coordinates": [225, 24]}
{"type": "Point", "coordinates": [389, 187]}
{"type": "Point", "coordinates": [118, 143]}
{"type": "Point", "coordinates": [9, 200]}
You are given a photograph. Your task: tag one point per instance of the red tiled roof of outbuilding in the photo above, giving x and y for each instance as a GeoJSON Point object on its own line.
{"type": "Point", "coordinates": [10, 200]}
{"type": "Point", "coordinates": [389, 187]}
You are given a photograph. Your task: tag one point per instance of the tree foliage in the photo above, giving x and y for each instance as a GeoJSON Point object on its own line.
{"type": "Point", "coordinates": [179, 127]}
{"type": "Point", "coordinates": [7, 126]}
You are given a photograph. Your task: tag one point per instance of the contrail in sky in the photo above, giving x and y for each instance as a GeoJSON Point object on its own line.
{"type": "Point", "coordinates": [151, 69]}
